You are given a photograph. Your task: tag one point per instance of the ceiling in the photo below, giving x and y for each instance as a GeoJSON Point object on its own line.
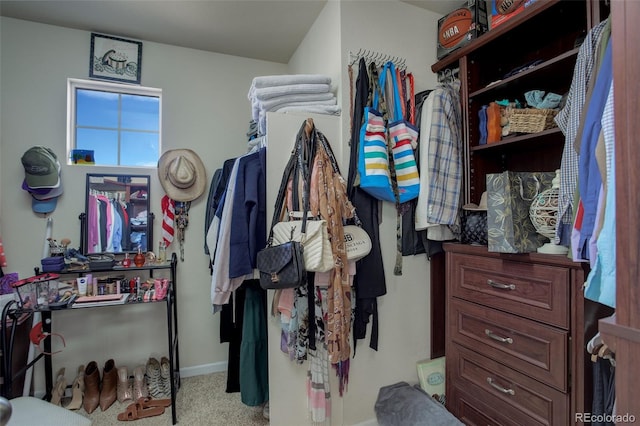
{"type": "Point", "coordinates": [259, 29]}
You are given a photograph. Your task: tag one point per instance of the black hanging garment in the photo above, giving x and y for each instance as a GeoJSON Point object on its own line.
{"type": "Point", "coordinates": [413, 242]}
{"type": "Point", "coordinates": [369, 281]}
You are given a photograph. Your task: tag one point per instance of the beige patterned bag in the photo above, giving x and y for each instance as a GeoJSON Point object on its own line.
{"type": "Point", "coordinates": [318, 256]}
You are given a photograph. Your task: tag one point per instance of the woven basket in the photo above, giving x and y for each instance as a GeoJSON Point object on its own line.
{"type": "Point", "coordinates": [530, 120]}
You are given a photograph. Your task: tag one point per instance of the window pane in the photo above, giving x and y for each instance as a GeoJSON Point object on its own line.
{"type": "Point", "coordinates": [139, 149]}
{"type": "Point", "coordinates": [120, 123]}
{"type": "Point", "coordinates": [104, 144]}
{"type": "Point", "coordinates": [140, 112]}
{"type": "Point", "coordinates": [96, 108]}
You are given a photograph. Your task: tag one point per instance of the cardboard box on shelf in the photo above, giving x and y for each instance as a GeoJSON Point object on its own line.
{"type": "Point", "coordinates": [461, 26]}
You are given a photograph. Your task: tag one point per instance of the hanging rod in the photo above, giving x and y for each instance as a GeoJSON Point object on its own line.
{"type": "Point", "coordinates": [447, 75]}
{"type": "Point", "coordinates": [376, 57]}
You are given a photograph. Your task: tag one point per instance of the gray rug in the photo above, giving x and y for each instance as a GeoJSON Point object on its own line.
{"type": "Point", "coordinates": [201, 401]}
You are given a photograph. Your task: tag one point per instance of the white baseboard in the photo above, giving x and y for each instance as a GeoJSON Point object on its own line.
{"type": "Point", "coordinates": [200, 370]}
{"type": "Point", "coordinates": [370, 422]}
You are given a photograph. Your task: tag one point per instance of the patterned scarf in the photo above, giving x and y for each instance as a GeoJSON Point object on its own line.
{"type": "Point", "coordinates": [334, 208]}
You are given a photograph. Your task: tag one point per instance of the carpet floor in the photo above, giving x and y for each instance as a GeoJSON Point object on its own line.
{"type": "Point", "coordinates": [201, 401]}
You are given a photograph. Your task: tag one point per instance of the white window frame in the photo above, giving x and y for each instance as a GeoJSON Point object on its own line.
{"type": "Point", "coordinates": [74, 83]}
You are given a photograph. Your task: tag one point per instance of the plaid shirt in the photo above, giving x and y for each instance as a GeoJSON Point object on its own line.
{"type": "Point", "coordinates": [568, 119]}
{"type": "Point", "coordinates": [445, 156]}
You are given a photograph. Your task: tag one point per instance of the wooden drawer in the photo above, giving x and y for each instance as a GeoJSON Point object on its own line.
{"type": "Point", "coordinates": [535, 349]}
{"type": "Point", "coordinates": [534, 291]}
{"type": "Point", "coordinates": [471, 411]}
{"type": "Point", "coordinates": [515, 398]}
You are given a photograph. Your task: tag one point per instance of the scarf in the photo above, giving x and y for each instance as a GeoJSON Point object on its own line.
{"type": "Point", "coordinates": [335, 207]}
{"type": "Point", "coordinates": [168, 214]}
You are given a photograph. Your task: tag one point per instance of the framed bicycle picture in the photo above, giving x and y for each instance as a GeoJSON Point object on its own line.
{"type": "Point", "coordinates": [115, 59]}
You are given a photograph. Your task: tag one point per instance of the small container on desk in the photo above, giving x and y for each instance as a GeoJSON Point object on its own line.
{"type": "Point", "coordinates": [38, 291]}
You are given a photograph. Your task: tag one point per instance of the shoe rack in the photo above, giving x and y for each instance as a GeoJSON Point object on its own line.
{"type": "Point", "coordinates": [18, 310]}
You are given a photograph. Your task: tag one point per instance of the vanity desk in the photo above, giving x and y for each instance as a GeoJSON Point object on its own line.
{"type": "Point", "coordinates": [15, 310]}
{"type": "Point", "coordinates": [116, 224]}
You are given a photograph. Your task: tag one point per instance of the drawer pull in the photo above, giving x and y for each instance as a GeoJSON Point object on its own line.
{"type": "Point", "coordinates": [498, 338]}
{"type": "Point", "coordinates": [494, 284]}
{"type": "Point", "coordinates": [500, 388]}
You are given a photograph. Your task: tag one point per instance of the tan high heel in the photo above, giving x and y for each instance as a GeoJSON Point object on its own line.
{"type": "Point", "coordinates": [140, 389]}
{"type": "Point", "coordinates": [77, 390]}
{"type": "Point", "coordinates": [124, 389]}
{"type": "Point", "coordinates": [58, 389]}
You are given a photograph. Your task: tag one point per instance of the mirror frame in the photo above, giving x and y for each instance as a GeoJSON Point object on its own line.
{"type": "Point", "coordinates": [111, 182]}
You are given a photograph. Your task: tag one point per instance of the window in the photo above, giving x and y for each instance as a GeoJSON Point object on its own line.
{"type": "Point", "coordinates": [120, 123]}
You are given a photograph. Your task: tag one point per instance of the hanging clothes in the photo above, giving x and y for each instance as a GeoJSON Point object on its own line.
{"type": "Point", "coordinates": [413, 240]}
{"type": "Point", "coordinates": [568, 120]}
{"type": "Point", "coordinates": [441, 205]}
{"type": "Point", "coordinates": [3, 257]}
{"type": "Point", "coordinates": [370, 281]}
{"type": "Point", "coordinates": [601, 281]}
{"type": "Point", "coordinates": [435, 231]}
{"type": "Point", "coordinates": [589, 177]}
{"type": "Point", "coordinates": [254, 365]}
{"type": "Point", "coordinates": [214, 202]}
{"type": "Point", "coordinates": [248, 222]}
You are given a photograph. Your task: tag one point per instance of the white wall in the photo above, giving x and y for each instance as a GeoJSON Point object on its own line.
{"type": "Point", "coordinates": [205, 108]}
{"type": "Point", "coordinates": [405, 31]}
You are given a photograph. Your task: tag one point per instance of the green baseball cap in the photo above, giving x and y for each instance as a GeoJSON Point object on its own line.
{"type": "Point", "coordinates": [41, 167]}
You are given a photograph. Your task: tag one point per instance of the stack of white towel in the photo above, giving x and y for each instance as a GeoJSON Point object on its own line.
{"type": "Point", "coordinates": [288, 93]}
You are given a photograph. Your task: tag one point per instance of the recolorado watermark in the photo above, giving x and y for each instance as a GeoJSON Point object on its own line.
{"type": "Point", "coordinates": [604, 418]}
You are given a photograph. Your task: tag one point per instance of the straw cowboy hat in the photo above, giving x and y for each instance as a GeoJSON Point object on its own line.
{"type": "Point", "coordinates": [182, 174]}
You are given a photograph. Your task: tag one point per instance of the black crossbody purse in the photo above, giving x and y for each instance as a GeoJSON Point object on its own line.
{"type": "Point", "coordinates": [282, 266]}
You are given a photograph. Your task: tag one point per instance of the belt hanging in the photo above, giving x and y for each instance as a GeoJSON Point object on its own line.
{"type": "Point", "coordinates": [182, 221]}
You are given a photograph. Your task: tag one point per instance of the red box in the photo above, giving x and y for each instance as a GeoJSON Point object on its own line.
{"type": "Point", "coordinates": [503, 10]}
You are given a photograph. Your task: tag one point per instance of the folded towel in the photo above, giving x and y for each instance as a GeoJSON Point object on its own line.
{"type": "Point", "coordinates": [318, 109]}
{"type": "Point", "coordinates": [272, 92]}
{"type": "Point", "coordinates": [286, 80]}
{"type": "Point", "coordinates": [306, 97]}
{"type": "Point", "coordinates": [302, 104]}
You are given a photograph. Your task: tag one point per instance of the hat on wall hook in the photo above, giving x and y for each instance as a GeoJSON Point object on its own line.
{"type": "Point", "coordinates": [182, 174]}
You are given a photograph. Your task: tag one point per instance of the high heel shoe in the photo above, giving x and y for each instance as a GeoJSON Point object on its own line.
{"type": "Point", "coordinates": [165, 376]}
{"type": "Point", "coordinates": [92, 387]}
{"type": "Point", "coordinates": [109, 385]}
{"type": "Point", "coordinates": [140, 389]}
{"type": "Point", "coordinates": [58, 389]}
{"type": "Point", "coordinates": [124, 389]}
{"type": "Point", "coordinates": [77, 390]}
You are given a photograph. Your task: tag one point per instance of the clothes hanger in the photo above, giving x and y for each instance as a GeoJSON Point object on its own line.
{"type": "Point", "coordinates": [595, 343]}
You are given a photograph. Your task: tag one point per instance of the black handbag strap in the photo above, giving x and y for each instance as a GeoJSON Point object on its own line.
{"type": "Point", "coordinates": [296, 166]}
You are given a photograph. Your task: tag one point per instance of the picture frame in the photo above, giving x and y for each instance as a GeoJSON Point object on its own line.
{"type": "Point", "coordinates": [115, 59]}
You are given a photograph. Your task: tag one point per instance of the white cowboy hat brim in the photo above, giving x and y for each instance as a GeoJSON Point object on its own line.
{"type": "Point", "coordinates": [197, 182]}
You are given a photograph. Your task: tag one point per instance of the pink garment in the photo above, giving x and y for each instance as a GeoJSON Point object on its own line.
{"type": "Point", "coordinates": [285, 303]}
{"type": "Point", "coordinates": [3, 258]}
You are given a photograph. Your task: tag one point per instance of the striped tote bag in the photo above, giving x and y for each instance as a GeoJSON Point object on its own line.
{"type": "Point", "coordinates": [373, 154]}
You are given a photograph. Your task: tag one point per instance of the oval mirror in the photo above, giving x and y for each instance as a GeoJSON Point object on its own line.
{"type": "Point", "coordinates": [117, 217]}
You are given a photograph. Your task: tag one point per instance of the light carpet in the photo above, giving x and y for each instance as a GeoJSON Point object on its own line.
{"type": "Point", "coordinates": [201, 401]}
